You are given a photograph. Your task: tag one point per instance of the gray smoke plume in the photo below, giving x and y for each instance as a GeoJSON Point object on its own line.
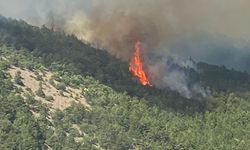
{"type": "Point", "coordinates": [116, 24]}
{"type": "Point", "coordinates": [170, 72]}
{"type": "Point", "coordinates": [212, 31]}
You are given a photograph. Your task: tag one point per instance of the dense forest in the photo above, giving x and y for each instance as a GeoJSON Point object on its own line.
{"type": "Point", "coordinates": [122, 113]}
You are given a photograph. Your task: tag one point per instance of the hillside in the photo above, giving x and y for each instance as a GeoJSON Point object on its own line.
{"type": "Point", "coordinates": [54, 47]}
{"type": "Point", "coordinates": [80, 58]}
{"type": "Point", "coordinates": [59, 93]}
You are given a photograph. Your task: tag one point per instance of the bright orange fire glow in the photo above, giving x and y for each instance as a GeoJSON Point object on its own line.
{"type": "Point", "coordinates": [136, 65]}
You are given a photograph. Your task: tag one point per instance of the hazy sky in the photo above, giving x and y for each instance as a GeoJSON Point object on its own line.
{"type": "Point", "coordinates": [215, 31]}
{"type": "Point", "coordinates": [229, 17]}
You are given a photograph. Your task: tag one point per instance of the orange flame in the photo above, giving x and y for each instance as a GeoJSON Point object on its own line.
{"type": "Point", "coordinates": [136, 66]}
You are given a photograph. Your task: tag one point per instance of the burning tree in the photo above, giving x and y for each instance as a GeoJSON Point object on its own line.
{"type": "Point", "coordinates": [136, 65]}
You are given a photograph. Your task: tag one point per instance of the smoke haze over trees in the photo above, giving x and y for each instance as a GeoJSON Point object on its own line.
{"type": "Point", "coordinates": [159, 24]}
{"type": "Point", "coordinates": [123, 115]}
{"type": "Point", "coordinates": [211, 31]}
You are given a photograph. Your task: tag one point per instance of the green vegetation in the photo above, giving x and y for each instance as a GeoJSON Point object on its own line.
{"type": "Point", "coordinates": [61, 86]}
{"type": "Point", "coordinates": [49, 98]}
{"type": "Point", "coordinates": [58, 51]}
{"type": "Point", "coordinates": [18, 128]}
{"type": "Point", "coordinates": [122, 114]}
{"type": "Point", "coordinates": [40, 92]}
{"type": "Point", "coordinates": [18, 79]}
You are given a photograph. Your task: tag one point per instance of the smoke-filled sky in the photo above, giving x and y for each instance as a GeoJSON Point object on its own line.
{"type": "Point", "coordinates": [213, 31]}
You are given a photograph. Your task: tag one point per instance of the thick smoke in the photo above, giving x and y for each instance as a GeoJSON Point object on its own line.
{"type": "Point", "coordinates": [170, 72]}
{"type": "Point", "coordinates": [206, 30]}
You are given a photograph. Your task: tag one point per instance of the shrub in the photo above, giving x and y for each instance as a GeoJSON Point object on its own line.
{"type": "Point", "coordinates": [40, 92]}
{"type": "Point", "coordinates": [61, 86]}
{"type": "Point", "coordinates": [18, 79]}
{"type": "Point", "coordinates": [30, 66]}
{"type": "Point", "coordinates": [49, 98]}
{"type": "Point", "coordinates": [51, 81]}
{"type": "Point", "coordinates": [61, 93]}
{"type": "Point", "coordinates": [28, 89]}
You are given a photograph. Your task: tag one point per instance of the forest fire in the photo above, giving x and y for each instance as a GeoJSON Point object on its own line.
{"type": "Point", "coordinates": [136, 66]}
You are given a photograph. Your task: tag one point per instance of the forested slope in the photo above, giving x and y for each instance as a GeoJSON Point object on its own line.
{"type": "Point", "coordinates": [81, 58]}
{"type": "Point", "coordinates": [122, 114]}
{"type": "Point", "coordinates": [114, 120]}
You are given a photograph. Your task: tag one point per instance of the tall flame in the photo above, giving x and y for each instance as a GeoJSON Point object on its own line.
{"type": "Point", "coordinates": [136, 65]}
